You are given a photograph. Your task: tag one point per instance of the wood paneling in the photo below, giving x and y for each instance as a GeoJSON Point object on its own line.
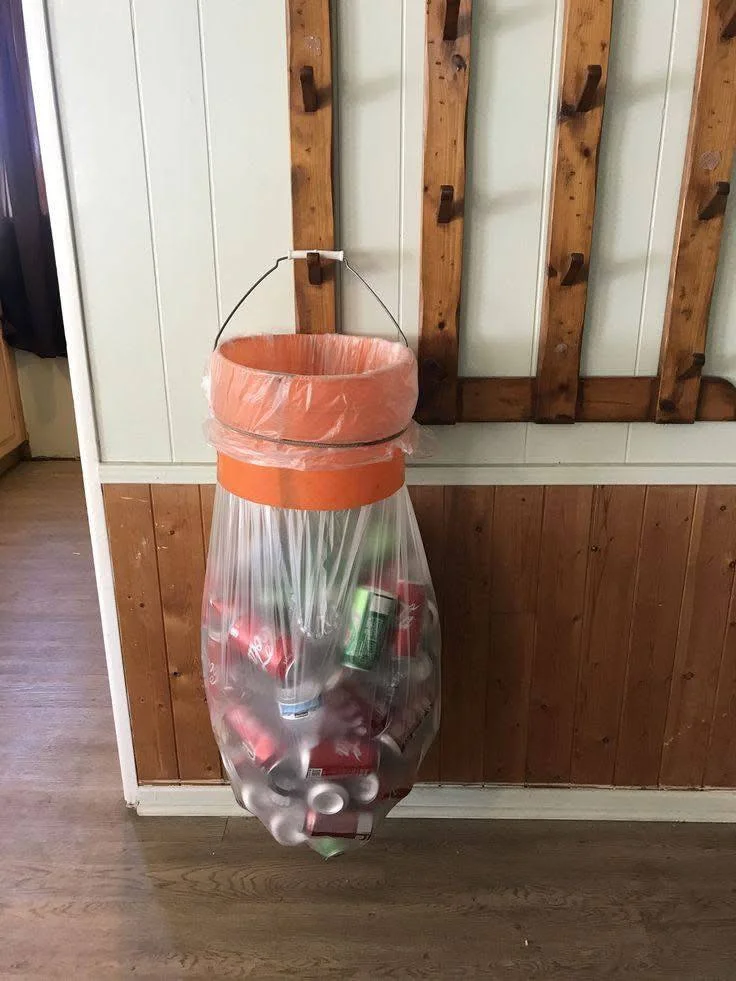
{"type": "Point", "coordinates": [588, 633]}
{"type": "Point", "coordinates": [130, 531]}
{"type": "Point", "coordinates": [563, 563]}
{"type": "Point", "coordinates": [515, 541]}
{"type": "Point", "coordinates": [180, 551]}
{"type": "Point", "coordinates": [613, 553]}
{"type": "Point", "coordinates": [660, 575]}
{"type": "Point", "coordinates": [700, 642]}
{"type": "Point", "coordinates": [466, 633]}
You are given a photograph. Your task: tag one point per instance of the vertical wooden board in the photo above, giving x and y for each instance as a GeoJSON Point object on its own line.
{"type": "Point", "coordinates": [137, 597]}
{"type": "Point", "coordinates": [313, 218]}
{"type": "Point", "coordinates": [563, 565]}
{"type": "Point", "coordinates": [95, 75]}
{"type": "Point", "coordinates": [207, 504]}
{"type": "Point", "coordinates": [467, 581]}
{"type": "Point", "coordinates": [660, 576]}
{"type": "Point", "coordinates": [178, 524]}
{"type": "Point", "coordinates": [246, 106]}
{"type": "Point", "coordinates": [447, 69]}
{"type": "Point", "coordinates": [370, 115]}
{"type": "Point", "coordinates": [708, 161]}
{"type": "Point", "coordinates": [515, 543]}
{"type": "Point", "coordinates": [720, 767]}
{"type": "Point", "coordinates": [672, 149]}
{"type": "Point", "coordinates": [586, 42]}
{"type": "Point", "coordinates": [175, 139]}
{"type": "Point", "coordinates": [702, 628]}
{"type": "Point", "coordinates": [505, 186]}
{"type": "Point", "coordinates": [636, 94]}
{"type": "Point", "coordinates": [429, 507]}
{"type": "Point", "coordinates": [614, 549]}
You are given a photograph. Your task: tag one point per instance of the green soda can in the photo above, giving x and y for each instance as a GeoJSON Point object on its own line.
{"type": "Point", "coordinates": [371, 618]}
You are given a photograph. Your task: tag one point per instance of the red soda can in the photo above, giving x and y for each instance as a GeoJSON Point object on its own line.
{"type": "Point", "coordinates": [261, 746]}
{"type": "Point", "coordinates": [357, 710]}
{"type": "Point", "coordinates": [347, 824]}
{"type": "Point", "coordinates": [347, 757]}
{"type": "Point", "coordinates": [269, 651]}
{"type": "Point", "coordinates": [412, 598]}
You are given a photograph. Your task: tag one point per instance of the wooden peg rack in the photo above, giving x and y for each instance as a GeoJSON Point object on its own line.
{"type": "Point", "coordinates": [680, 392]}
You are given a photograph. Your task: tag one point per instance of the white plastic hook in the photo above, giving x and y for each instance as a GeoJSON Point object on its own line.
{"type": "Point", "coordinates": [323, 253]}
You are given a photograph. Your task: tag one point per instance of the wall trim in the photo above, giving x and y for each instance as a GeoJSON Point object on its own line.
{"type": "Point", "coordinates": [483, 803]}
{"type": "Point", "coordinates": [512, 475]}
{"type": "Point", "coordinates": [39, 59]}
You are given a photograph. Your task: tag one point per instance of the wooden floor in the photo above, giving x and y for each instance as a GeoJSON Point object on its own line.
{"type": "Point", "coordinates": [87, 890]}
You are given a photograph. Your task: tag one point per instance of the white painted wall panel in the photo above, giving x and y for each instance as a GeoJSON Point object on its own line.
{"type": "Point", "coordinates": [632, 128]}
{"type": "Point", "coordinates": [172, 102]}
{"type": "Point", "coordinates": [245, 74]}
{"type": "Point", "coordinates": [369, 86]}
{"type": "Point", "coordinates": [671, 159]}
{"type": "Point", "coordinates": [512, 56]}
{"type": "Point", "coordinates": [95, 71]}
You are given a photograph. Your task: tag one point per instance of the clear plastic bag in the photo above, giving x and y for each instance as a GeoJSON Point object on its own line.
{"type": "Point", "coordinates": [320, 633]}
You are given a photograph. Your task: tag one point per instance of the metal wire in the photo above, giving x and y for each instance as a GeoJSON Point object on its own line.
{"type": "Point", "coordinates": [274, 267]}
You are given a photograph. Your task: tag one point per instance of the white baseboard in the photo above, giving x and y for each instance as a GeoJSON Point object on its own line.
{"type": "Point", "coordinates": [479, 802]}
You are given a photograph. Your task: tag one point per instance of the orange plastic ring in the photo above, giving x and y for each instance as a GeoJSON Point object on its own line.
{"type": "Point", "coordinates": [312, 490]}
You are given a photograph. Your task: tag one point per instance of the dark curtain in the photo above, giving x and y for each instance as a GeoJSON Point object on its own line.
{"type": "Point", "coordinates": [29, 290]}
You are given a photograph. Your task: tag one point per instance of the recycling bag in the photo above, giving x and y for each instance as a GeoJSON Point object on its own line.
{"type": "Point", "coordinates": [320, 628]}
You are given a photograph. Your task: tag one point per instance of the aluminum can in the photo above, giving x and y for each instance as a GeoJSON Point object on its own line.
{"type": "Point", "coordinates": [259, 744]}
{"type": "Point", "coordinates": [371, 617]}
{"type": "Point", "coordinates": [348, 757]}
{"type": "Point", "coordinates": [405, 723]}
{"type": "Point", "coordinates": [349, 824]}
{"type": "Point", "coordinates": [325, 797]}
{"type": "Point", "coordinates": [412, 602]}
{"type": "Point", "coordinates": [267, 650]}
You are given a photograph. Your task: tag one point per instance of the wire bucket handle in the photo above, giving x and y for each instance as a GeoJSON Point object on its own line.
{"type": "Point", "coordinates": [337, 256]}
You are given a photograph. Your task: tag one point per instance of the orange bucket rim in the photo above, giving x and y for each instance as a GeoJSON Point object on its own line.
{"type": "Point", "coordinates": [407, 355]}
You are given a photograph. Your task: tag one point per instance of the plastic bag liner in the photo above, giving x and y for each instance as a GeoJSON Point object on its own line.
{"type": "Point", "coordinates": [320, 633]}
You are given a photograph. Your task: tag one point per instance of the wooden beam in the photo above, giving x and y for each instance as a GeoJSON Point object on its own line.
{"type": "Point", "coordinates": [703, 197]}
{"type": "Point", "coordinates": [616, 399]}
{"type": "Point", "coordinates": [310, 114]}
{"type": "Point", "coordinates": [447, 69]}
{"type": "Point", "coordinates": [586, 42]}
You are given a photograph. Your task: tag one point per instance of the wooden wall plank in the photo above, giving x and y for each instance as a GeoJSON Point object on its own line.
{"type": "Point", "coordinates": [180, 550]}
{"type": "Point", "coordinates": [658, 590]}
{"type": "Point", "coordinates": [614, 550]}
{"type": "Point", "coordinates": [560, 600]}
{"type": "Point", "coordinates": [447, 70]}
{"type": "Point", "coordinates": [720, 768]}
{"type": "Point", "coordinates": [137, 596]}
{"type": "Point", "coordinates": [515, 543]}
{"type": "Point", "coordinates": [310, 45]}
{"type": "Point", "coordinates": [708, 165]}
{"type": "Point", "coordinates": [467, 580]}
{"type": "Point", "coordinates": [429, 507]}
{"type": "Point", "coordinates": [207, 504]}
{"type": "Point", "coordinates": [703, 620]}
{"type": "Point", "coordinates": [586, 42]}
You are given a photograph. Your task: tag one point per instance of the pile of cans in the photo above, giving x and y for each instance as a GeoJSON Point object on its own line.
{"type": "Point", "coordinates": [322, 723]}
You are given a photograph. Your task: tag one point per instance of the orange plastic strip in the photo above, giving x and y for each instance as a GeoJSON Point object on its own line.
{"type": "Point", "coordinates": [311, 490]}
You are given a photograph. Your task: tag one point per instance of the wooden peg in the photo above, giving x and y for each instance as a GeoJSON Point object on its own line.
{"type": "Point", "coordinates": [575, 270]}
{"type": "Point", "coordinates": [446, 208]}
{"type": "Point", "coordinates": [314, 269]}
{"type": "Point", "coordinates": [586, 100]}
{"type": "Point", "coordinates": [452, 12]}
{"type": "Point", "coordinates": [695, 369]}
{"type": "Point", "coordinates": [309, 89]}
{"type": "Point", "coordinates": [717, 204]}
{"type": "Point", "coordinates": [729, 27]}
